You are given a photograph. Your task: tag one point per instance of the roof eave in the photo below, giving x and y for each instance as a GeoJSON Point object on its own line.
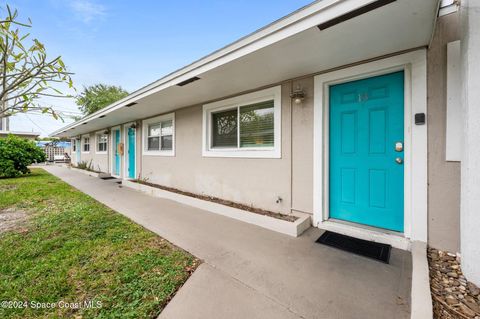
{"type": "Point", "coordinates": [289, 25]}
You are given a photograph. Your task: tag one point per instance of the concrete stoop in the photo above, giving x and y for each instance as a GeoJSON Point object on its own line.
{"type": "Point", "coordinates": [294, 229]}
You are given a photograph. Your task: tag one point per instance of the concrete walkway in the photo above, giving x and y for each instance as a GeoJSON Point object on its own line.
{"type": "Point", "coordinates": [250, 272]}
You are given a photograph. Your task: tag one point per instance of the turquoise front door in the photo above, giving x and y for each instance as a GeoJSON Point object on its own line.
{"type": "Point", "coordinates": [366, 151]}
{"type": "Point", "coordinates": [116, 158]}
{"type": "Point", "coordinates": [131, 152]}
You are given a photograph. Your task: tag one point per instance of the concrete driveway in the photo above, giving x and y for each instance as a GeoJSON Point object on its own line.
{"type": "Point", "coordinates": [251, 272]}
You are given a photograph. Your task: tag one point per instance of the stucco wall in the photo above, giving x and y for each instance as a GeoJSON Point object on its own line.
{"type": "Point", "coordinates": [470, 216]}
{"type": "Point", "coordinates": [443, 176]}
{"type": "Point", "coordinates": [99, 161]}
{"type": "Point", "coordinates": [302, 149]}
{"type": "Point", "coordinates": [258, 182]}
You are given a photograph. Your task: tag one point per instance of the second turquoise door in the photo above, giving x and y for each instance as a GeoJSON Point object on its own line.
{"type": "Point", "coordinates": [366, 151]}
{"type": "Point", "coordinates": [116, 158]}
{"type": "Point", "coordinates": [131, 152]}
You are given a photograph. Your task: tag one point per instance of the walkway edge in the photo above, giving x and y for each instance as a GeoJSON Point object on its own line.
{"type": "Point", "coordinates": [294, 229]}
{"type": "Point", "coordinates": [421, 297]}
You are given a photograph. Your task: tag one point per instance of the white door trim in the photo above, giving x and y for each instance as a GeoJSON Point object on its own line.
{"type": "Point", "coordinates": [112, 147]}
{"type": "Point", "coordinates": [414, 65]}
{"type": "Point", "coordinates": [127, 147]}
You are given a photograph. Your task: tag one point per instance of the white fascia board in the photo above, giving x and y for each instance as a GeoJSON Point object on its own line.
{"type": "Point", "coordinates": [19, 133]}
{"type": "Point", "coordinates": [298, 21]}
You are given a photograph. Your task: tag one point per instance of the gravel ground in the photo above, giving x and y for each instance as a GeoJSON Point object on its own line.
{"type": "Point", "coordinates": [453, 296]}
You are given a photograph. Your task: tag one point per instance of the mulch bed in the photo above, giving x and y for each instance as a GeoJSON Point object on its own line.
{"type": "Point", "coordinates": [453, 296]}
{"type": "Point", "coordinates": [87, 169]}
{"type": "Point", "coordinates": [288, 218]}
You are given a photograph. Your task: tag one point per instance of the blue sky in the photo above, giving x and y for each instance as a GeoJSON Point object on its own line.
{"type": "Point", "coordinates": [132, 43]}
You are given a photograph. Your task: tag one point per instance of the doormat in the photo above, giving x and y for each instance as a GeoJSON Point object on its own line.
{"type": "Point", "coordinates": [369, 249]}
{"type": "Point", "coordinates": [107, 177]}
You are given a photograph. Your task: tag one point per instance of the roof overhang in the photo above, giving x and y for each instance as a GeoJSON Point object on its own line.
{"type": "Point", "coordinates": [289, 48]}
{"type": "Point", "coordinates": [18, 133]}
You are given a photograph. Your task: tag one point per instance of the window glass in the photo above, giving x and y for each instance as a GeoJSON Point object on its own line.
{"type": "Point", "coordinates": [160, 136]}
{"type": "Point", "coordinates": [167, 142]}
{"type": "Point", "coordinates": [153, 143]}
{"type": "Point", "coordinates": [102, 143]}
{"type": "Point", "coordinates": [256, 125]}
{"type": "Point", "coordinates": [224, 129]}
{"type": "Point", "coordinates": [154, 129]}
{"type": "Point", "coordinates": [166, 134]}
{"type": "Point", "coordinates": [86, 144]}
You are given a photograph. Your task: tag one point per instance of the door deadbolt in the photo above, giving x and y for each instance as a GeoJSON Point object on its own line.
{"type": "Point", "coordinates": [399, 161]}
{"type": "Point", "coordinates": [398, 147]}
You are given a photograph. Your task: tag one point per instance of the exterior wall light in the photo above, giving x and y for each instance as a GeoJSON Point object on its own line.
{"type": "Point", "coordinates": [298, 95]}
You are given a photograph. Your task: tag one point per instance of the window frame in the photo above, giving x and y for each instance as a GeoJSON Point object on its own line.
{"type": "Point", "coordinates": [82, 144]}
{"type": "Point", "coordinates": [158, 120]}
{"type": "Point", "coordinates": [237, 102]}
{"type": "Point", "coordinates": [97, 140]}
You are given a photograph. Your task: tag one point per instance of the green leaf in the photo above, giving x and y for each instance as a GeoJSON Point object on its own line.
{"type": "Point", "coordinates": [28, 66]}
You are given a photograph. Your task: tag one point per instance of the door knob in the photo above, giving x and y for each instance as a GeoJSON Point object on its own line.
{"type": "Point", "coordinates": [399, 160]}
{"type": "Point", "coordinates": [398, 147]}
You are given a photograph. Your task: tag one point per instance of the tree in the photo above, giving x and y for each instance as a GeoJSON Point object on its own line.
{"type": "Point", "coordinates": [16, 154]}
{"type": "Point", "coordinates": [26, 74]}
{"type": "Point", "coordinates": [96, 97]}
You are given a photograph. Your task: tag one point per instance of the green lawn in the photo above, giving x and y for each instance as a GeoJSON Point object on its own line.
{"type": "Point", "coordinates": [74, 249]}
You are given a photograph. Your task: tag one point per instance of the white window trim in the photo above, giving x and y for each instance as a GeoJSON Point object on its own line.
{"type": "Point", "coordinates": [241, 100]}
{"type": "Point", "coordinates": [415, 176]}
{"type": "Point", "coordinates": [158, 119]}
{"type": "Point", "coordinates": [97, 140]}
{"type": "Point", "coordinates": [82, 143]}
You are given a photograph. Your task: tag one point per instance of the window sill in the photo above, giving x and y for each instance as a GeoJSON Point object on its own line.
{"type": "Point", "coordinates": [158, 153]}
{"type": "Point", "coordinates": [101, 153]}
{"type": "Point", "coordinates": [274, 154]}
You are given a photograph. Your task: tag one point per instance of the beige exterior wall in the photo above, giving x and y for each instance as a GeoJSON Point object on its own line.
{"type": "Point", "coordinates": [260, 181]}
{"type": "Point", "coordinates": [257, 182]}
{"type": "Point", "coordinates": [251, 181]}
{"type": "Point", "coordinates": [302, 149]}
{"type": "Point", "coordinates": [443, 176]}
{"type": "Point", "coordinates": [100, 162]}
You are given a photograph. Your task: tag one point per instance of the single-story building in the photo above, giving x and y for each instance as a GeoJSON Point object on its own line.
{"type": "Point", "coordinates": [5, 130]}
{"type": "Point", "coordinates": [363, 114]}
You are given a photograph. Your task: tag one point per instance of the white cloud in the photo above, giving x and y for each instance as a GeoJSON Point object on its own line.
{"type": "Point", "coordinates": [87, 10]}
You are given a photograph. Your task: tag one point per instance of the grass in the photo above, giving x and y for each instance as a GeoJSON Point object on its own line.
{"type": "Point", "coordinates": [75, 249]}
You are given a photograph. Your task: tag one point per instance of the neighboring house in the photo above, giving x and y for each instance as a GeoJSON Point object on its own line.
{"type": "Point", "coordinates": [5, 130]}
{"type": "Point", "coordinates": [361, 113]}
{"type": "Point", "coordinates": [56, 151]}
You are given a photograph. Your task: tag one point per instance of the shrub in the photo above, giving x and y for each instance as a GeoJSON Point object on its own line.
{"type": "Point", "coordinates": [16, 154]}
{"type": "Point", "coordinates": [88, 166]}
